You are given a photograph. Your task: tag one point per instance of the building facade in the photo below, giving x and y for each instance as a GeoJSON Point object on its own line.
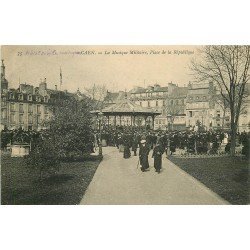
{"type": "Point", "coordinates": [154, 96]}
{"type": "Point", "coordinates": [28, 107]}
{"type": "Point", "coordinates": [200, 105]}
{"type": "Point", "coordinates": [24, 108]}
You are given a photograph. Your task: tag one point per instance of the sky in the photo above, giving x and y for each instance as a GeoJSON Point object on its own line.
{"type": "Point", "coordinates": [117, 67]}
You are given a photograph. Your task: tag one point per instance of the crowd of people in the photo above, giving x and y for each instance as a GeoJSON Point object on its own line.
{"type": "Point", "coordinates": [130, 139]}
{"type": "Point", "coordinates": [17, 136]}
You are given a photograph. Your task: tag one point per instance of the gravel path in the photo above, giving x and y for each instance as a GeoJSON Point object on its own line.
{"type": "Point", "coordinates": [118, 181]}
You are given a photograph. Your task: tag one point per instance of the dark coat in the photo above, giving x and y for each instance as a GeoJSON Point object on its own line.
{"type": "Point", "coordinates": [157, 155]}
{"type": "Point", "coordinates": [135, 144]}
{"type": "Point", "coordinates": [143, 156]}
{"type": "Point", "coordinates": [126, 153]}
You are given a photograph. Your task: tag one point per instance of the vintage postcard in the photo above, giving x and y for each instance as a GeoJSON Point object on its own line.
{"type": "Point", "coordinates": [134, 125]}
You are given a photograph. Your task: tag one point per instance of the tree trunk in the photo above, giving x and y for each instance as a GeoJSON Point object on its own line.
{"type": "Point", "coordinates": [233, 138]}
{"type": "Point", "coordinates": [223, 119]}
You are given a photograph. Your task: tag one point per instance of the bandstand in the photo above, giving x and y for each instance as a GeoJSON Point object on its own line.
{"type": "Point", "coordinates": [127, 113]}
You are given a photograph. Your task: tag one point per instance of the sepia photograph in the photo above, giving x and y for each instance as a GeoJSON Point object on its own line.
{"type": "Point", "coordinates": [125, 125]}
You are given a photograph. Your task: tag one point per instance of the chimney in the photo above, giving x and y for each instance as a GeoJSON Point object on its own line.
{"type": "Point", "coordinates": [55, 87]}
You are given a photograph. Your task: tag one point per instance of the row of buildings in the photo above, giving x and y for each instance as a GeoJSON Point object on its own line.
{"type": "Point", "coordinates": [27, 106]}
{"type": "Point", "coordinates": [189, 107]}
{"type": "Point", "coordinates": [195, 104]}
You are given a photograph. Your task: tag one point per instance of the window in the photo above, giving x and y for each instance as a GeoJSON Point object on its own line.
{"type": "Point", "coordinates": [12, 96]}
{"type": "Point", "coordinates": [30, 108]}
{"type": "Point", "coordinates": [197, 97]}
{"type": "Point", "coordinates": [163, 103]}
{"type": "Point", "coordinates": [156, 103]}
{"type": "Point", "coordinates": [148, 103]}
{"type": "Point", "coordinates": [12, 118]}
{"type": "Point", "coordinates": [38, 109]}
{"type": "Point", "coordinates": [21, 118]}
{"type": "Point", "coordinates": [140, 103]}
{"type": "Point", "coordinates": [21, 108]}
{"type": "Point", "coordinates": [20, 97]}
{"type": "Point", "coordinates": [12, 107]}
{"type": "Point", "coordinates": [190, 114]}
{"type": "Point", "coordinates": [46, 99]}
{"type": "Point", "coordinates": [30, 97]}
{"type": "Point", "coordinates": [30, 118]}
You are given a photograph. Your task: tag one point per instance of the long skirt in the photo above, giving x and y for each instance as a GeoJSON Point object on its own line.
{"type": "Point", "coordinates": [144, 162]}
{"type": "Point", "coordinates": [157, 162]}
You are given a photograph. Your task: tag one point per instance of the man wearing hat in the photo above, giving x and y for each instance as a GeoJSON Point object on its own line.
{"type": "Point", "coordinates": [143, 155]}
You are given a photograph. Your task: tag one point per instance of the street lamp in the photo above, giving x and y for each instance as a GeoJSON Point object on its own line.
{"type": "Point", "coordinates": [100, 116]}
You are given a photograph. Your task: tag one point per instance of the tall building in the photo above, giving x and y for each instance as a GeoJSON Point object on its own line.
{"type": "Point", "coordinates": [200, 105]}
{"type": "Point", "coordinates": [27, 106]}
{"type": "Point", "coordinates": [176, 107]}
{"type": "Point", "coordinates": [154, 96]}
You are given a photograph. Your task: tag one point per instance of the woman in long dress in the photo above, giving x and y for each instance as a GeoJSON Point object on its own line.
{"type": "Point", "coordinates": [126, 153]}
{"type": "Point", "coordinates": [157, 155]}
{"type": "Point", "coordinates": [143, 155]}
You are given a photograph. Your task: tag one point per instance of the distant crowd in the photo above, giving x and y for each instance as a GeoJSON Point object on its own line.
{"type": "Point", "coordinates": [208, 142]}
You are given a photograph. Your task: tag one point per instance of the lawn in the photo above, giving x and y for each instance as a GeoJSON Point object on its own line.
{"type": "Point", "coordinates": [226, 176]}
{"type": "Point", "coordinates": [20, 184]}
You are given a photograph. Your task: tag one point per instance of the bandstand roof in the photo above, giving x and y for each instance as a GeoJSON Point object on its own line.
{"type": "Point", "coordinates": [127, 107]}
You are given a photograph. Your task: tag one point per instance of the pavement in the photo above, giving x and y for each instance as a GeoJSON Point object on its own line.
{"type": "Point", "coordinates": [119, 181]}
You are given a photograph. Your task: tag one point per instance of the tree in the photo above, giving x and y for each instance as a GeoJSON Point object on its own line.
{"type": "Point", "coordinates": [97, 92]}
{"type": "Point", "coordinates": [228, 68]}
{"type": "Point", "coordinates": [43, 155]}
{"type": "Point", "coordinates": [224, 105]}
{"type": "Point", "coordinates": [70, 127]}
{"type": "Point", "coordinates": [68, 135]}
